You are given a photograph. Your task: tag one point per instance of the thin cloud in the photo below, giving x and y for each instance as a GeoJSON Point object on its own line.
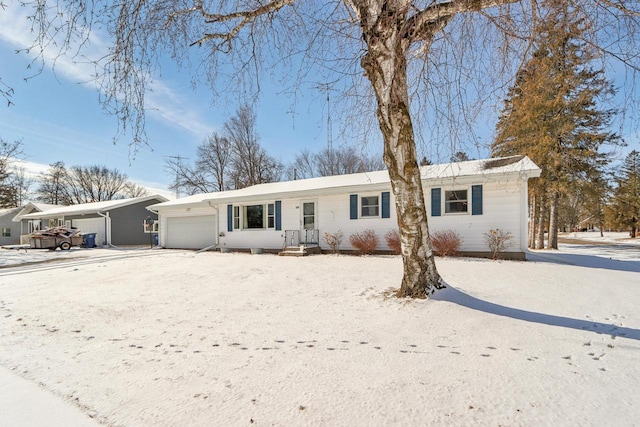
{"type": "Point", "coordinates": [165, 104]}
{"type": "Point", "coordinates": [36, 171]}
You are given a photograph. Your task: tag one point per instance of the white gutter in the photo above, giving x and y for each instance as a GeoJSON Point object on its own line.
{"type": "Point", "coordinates": [107, 227]}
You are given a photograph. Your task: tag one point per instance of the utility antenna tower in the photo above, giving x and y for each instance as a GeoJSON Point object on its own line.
{"type": "Point", "coordinates": [326, 88]}
{"type": "Point", "coordinates": [178, 160]}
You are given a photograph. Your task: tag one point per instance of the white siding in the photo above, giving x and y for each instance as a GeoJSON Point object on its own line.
{"type": "Point", "coordinates": [504, 207]}
{"type": "Point", "coordinates": [335, 216]}
{"type": "Point", "coordinates": [501, 209]}
{"type": "Point", "coordinates": [247, 239]}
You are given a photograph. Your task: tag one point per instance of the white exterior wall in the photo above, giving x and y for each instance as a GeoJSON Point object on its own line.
{"type": "Point", "coordinates": [335, 216]}
{"type": "Point", "coordinates": [332, 215]}
{"type": "Point", "coordinates": [502, 208]}
{"type": "Point", "coordinates": [248, 239]}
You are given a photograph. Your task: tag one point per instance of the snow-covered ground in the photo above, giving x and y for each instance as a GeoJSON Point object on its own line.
{"type": "Point", "coordinates": [161, 338]}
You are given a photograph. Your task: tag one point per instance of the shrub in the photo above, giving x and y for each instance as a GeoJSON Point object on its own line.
{"type": "Point", "coordinates": [365, 243]}
{"type": "Point", "coordinates": [446, 242]}
{"type": "Point", "coordinates": [498, 241]}
{"type": "Point", "coordinates": [333, 240]}
{"type": "Point", "coordinates": [393, 241]}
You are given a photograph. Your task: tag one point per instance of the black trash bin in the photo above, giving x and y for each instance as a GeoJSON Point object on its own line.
{"type": "Point", "coordinates": [90, 240]}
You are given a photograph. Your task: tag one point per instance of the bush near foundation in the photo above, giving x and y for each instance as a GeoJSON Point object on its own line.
{"type": "Point", "coordinates": [333, 240]}
{"type": "Point", "coordinates": [393, 241]}
{"type": "Point", "coordinates": [498, 241]}
{"type": "Point", "coordinates": [446, 243]}
{"type": "Point", "coordinates": [365, 242]}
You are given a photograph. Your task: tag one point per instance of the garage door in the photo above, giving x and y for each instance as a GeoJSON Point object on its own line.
{"type": "Point", "coordinates": [91, 225]}
{"type": "Point", "coordinates": [193, 232]}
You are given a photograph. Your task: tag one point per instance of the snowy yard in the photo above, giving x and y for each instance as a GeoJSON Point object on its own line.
{"type": "Point", "coordinates": [162, 338]}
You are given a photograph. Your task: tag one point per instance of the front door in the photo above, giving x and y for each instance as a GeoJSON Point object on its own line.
{"type": "Point", "coordinates": [307, 234]}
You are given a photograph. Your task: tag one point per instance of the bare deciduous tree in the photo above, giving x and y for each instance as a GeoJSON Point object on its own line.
{"type": "Point", "coordinates": [85, 184]}
{"type": "Point", "coordinates": [9, 182]}
{"type": "Point", "coordinates": [336, 161]}
{"type": "Point", "coordinates": [410, 52]}
{"type": "Point", "coordinates": [251, 164]}
{"type": "Point", "coordinates": [51, 188]}
{"type": "Point", "coordinates": [232, 160]}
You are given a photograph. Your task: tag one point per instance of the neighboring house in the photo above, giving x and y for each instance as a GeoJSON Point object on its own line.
{"type": "Point", "coordinates": [468, 197]}
{"type": "Point", "coordinates": [9, 230]}
{"type": "Point", "coordinates": [10, 227]}
{"type": "Point", "coordinates": [115, 222]}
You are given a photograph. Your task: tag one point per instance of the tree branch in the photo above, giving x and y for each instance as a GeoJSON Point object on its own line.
{"type": "Point", "coordinates": [245, 17]}
{"type": "Point", "coordinates": [619, 6]}
{"type": "Point", "coordinates": [426, 22]}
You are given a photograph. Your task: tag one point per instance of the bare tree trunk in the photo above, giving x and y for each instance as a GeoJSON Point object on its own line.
{"type": "Point", "coordinates": [552, 243]}
{"type": "Point", "coordinates": [542, 220]}
{"type": "Point", "coordinates": [533, 217]}
{"type": "Point", "coordinates": [386, 67]}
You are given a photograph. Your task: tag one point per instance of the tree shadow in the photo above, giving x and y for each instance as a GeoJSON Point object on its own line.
{"type": "Point", "coordinates": [592, 261]}
{"type": "Point", "coordinates": [455, 296]}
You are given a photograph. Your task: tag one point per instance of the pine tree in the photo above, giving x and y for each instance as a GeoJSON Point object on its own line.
{"type": "Point", "coordinates": [625, 207]}
{"type": "Point", "coordinates": [552, 115]}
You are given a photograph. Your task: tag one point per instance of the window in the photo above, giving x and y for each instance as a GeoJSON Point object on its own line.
{"type": "Point", "coordinates": [151, 228]}
{"type": "Point", "coordinates": [236, 217]}
{"type": "Point", "coordinates": [6, 232]}
{"type": "Point", "coordinates": [369, 206]}
{"type": "Point", "coordinates": [255, 217]}
{"type": "Point", "coordinates": [33, 225]}
{"type": "Point", "coordinates": [271, 215]}
{"type": "Point", "coordinates": [455, 201]}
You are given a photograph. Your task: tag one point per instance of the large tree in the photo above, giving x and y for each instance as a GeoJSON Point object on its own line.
{"type": "Point", "coordinates": [625, 206]}
{"type": "Point", "coordinates": [553, 114]}
{"type": "Point", "coordinates": [9, 191]}
{"type": "Point", "coordinates": [333, 161]}
{"type": "Point", "coordinates": [85, 184]}
{"type": "Point", "coordinates": [407, 49]}
{"type": "Point", "coordinates": [229, 160]}
{"type": "Point", "coordinates": [51, 187]}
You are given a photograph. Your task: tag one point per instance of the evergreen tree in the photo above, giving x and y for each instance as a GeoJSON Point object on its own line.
{"type": "Point", "coordinates": [552, 115]}
{"type": "Point", "coordinates": [625, 207]}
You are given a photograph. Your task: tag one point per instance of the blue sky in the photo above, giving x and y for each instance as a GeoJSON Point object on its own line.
{"type": "Point", "coordinates": [57, 116]}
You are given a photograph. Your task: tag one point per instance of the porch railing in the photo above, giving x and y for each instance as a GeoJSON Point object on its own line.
{"type": "Point", "coordinates": [309, 237]}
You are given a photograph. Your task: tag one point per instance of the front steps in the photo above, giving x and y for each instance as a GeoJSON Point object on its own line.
{"type": "Point", "coordinates": [301, 250]}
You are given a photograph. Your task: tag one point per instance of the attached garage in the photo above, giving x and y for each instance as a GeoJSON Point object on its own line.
{"type": "Point", "coordinates": [92, 225]}
{"type": "Point", "coordinates": [191, 232]}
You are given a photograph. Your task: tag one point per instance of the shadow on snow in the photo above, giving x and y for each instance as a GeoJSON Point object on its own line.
{"type": "Point", "coordinates": [455, 296]}
{"type": "Point", "coordinates": [594, 261]}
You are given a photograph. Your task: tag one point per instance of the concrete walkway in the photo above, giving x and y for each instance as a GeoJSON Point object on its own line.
{"type": "Point", "coordinates": [24, 404]}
